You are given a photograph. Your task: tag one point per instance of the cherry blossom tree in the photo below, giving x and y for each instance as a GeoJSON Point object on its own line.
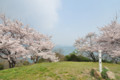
{"type": "Point", "coordinates": [17, 40]}
{"type": "Point", "coordinates": [88, 45]}
{"type": "Point", "coordinates": [10, 49]}
{"type": "Point", "coordinates": [109, 39]}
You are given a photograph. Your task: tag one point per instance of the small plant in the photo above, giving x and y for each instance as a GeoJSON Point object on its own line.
{"type": "Point", "coordinates": [92, 72]}
{"type": "Point", "coordinates": [104, 75]}
{"type": "Point", "coordinates": [1, 67]}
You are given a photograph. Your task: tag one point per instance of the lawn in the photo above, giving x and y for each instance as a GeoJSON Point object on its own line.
{"type": "Point", "coordinates": [56, 71]}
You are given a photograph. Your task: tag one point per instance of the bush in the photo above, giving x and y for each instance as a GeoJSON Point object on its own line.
{"type": "Point", "coordinates": [1, 67]}
{"type": "Point", "coordinates": [26, 63]}
{"type": "Point", "coordinates": [74, 57]}
{"type": "Point", "coordinates": [106, 61]}
{"type": "Point", "coordinates": [44, 60]}
{"type": "Point", "coordinates": [71, 57]}
{"type": "Point", "coordinates": [104, 75]}
{"type": "Point", "coordinates": [82, 58]}
{"type": "Point", "coordinates": [92, 72]}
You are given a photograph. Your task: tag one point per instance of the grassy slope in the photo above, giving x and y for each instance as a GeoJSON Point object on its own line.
{"type": "Point", "coordinates": [55, 71]}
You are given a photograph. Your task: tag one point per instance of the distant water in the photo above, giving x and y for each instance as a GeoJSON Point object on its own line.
{"type": "Point", "coordinates": [66, 49]}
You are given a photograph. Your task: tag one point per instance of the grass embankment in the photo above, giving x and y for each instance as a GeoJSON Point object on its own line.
{"type": "Point", "coordinates": [56, 71]}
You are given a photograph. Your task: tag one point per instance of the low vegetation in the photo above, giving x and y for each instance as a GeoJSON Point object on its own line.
{"type": "Point", "coordinates": [74, 57]}
{"type": "Point", "coordinates": [56, 71]}
{"type": "Point", "coordinates": [1, 67]}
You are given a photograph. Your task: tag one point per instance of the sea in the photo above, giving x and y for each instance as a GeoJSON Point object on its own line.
{"type": "Point", "coordinates": [65, 49]}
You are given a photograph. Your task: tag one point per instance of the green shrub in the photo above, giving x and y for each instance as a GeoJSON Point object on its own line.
{"type": "Point", "coordinates": [71, 57]}
{"type": "Point", "coordinates": [104, 75]}
{"type": "Point", "coordinates": [44, 60]}
{"type": "Point", "coordinates": [106, 61]}
{"type": "Point", "coordinates": [82, 58]}
{"type": "Point", "coordinates": [26, 63]}
{"type": "Point", "coordinates": [1, 67]}
{"type": "Point", "coordinates": [92, 72]}
{"type": "Point", "coordinates": [74, 57]}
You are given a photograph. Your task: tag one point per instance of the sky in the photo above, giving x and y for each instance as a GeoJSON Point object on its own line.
{"type": "Point", "coordinates": [64, 20]}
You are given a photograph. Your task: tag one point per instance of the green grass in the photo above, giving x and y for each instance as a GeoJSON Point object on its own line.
{"type": "Point", "coordinates": [56, 71]}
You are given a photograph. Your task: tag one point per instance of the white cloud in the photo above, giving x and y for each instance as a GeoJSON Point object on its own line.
{"type": "Point", "coordinates": [46, 10]}
{"type": "Point", "coordinates": [36, 12]}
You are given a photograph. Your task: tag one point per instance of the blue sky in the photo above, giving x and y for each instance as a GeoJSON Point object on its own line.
{"type": "Point", "coordinates": [64, 20]}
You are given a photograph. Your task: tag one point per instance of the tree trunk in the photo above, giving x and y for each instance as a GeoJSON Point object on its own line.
{"type": "Point", "coordinates": [12, 63]}
{"type": "Point", "coordinates": [36, 59]}
{"type": "Point", "coordinates": [93, 57]}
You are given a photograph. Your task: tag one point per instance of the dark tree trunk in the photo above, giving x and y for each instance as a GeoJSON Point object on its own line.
{"type": "Point", "coordinates": [35, 59]}
{"type": "Point", "coordinates": [93, 57]}
{"type": "Point", "coordinates": [12, 63]}
{"type": "Point", "coordinates": [10, 66]}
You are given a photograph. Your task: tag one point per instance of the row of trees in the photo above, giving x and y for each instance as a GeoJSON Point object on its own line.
{"type": "Point", "coordinates": [108, 41]}
{"type": "Point", "coordinates": [18, 41]}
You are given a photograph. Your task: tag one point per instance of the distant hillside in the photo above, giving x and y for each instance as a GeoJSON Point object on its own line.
{"type": "Point", "coordinates": [66, 49]}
